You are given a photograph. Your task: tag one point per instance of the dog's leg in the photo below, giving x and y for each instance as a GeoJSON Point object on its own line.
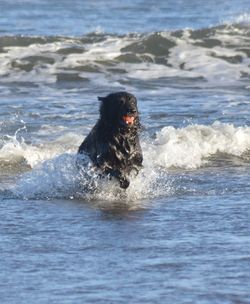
{"type": "Point", "coordinates": [123, 180]}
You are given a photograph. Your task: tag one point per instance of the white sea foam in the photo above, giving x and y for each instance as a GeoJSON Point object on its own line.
{"type": "Point", "coordinates": [55, 172]}
{"type": "Point", "coordinates": [189, 147]}
{"type": "Point", "coordinates": [239, 19]}
{"type": "Point", "coordinates": [210, 63]}
{"type": "Point", "coordinates": [61, 177]}
{"type": "Point", "coordinates": [173, 147]}
{"type": "Point", "coordinates": [106, 50]}
{"type": "Point", "coordinates": [187, 55]}
{"type": "Point", "coordinates": [13, 148]}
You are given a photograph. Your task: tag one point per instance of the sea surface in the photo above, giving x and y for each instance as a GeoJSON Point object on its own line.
{"type": "Point", "coordinates": [181, 232]}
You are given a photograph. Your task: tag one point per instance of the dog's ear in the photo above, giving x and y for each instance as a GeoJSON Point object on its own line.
{"type": "Point", "coordinates": [101, 98]}
{"type": "Point", "coordinates": [103, 111]}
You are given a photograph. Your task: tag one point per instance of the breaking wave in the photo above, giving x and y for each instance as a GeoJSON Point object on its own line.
{"type": "Point", "coordinates": [209, 56]}
{"type": "Point", "coordinates": [52, 170]}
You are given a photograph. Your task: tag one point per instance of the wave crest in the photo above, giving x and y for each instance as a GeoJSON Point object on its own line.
{"type": "Point", "coordinates": [213, 55]}
{"type": "Point", "coordinates": [191, 147]}
{"type": "Point", "coordinates": [56, 174]}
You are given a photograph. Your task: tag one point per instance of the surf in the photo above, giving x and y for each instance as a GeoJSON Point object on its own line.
{"type": "Point", "coordinates": [51, 171]}
{"type": "Point", "coordinates": [208, 56]}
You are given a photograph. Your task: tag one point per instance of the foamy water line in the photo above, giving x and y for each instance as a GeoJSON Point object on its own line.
{"type": "Point", "coordinates": [54, 172]}
{"type": "Point", "coordinates": [212, 55]}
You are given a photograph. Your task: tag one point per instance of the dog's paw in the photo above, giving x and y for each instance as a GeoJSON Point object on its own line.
{"type": "Point", "coordinates": [124, 182]}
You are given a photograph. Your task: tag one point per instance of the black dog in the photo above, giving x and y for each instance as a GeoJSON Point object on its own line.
{"type": "Point", "coordinates": [113, 144]}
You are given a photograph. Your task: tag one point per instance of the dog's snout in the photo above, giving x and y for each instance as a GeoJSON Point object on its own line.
{"type": "Point", "coordinates": [131, 111]}
{"type": "Point", "coordinates": [128, 112]}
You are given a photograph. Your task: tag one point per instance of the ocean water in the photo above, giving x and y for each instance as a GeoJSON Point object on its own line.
{"type": "Point", "coordinates": [180, 232]}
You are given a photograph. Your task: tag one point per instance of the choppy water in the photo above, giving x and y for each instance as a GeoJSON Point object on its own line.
{"type": "Point", "coordinates": [180, 233]}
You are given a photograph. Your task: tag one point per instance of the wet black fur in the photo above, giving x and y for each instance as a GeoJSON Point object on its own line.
{"type": "Point", "coordinates": [112, 145]}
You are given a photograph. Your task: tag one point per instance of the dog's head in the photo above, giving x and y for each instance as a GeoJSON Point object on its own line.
{"type": "Point", "coordinates": [119, 111]}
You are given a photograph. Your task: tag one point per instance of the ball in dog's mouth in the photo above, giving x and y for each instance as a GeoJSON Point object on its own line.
{"type": "Point", "coordinates": [128, 119]}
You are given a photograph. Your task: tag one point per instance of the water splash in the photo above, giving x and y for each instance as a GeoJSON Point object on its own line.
{"type": "Point", "coordinates": [61, 177]}
{"type": "Point", "coordinates": [58, 175]}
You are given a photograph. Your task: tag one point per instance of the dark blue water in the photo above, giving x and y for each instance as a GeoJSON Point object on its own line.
{"type": "Point", "coordinates": [77, 17]}
{"type": "Point", "coordinates": [180, 233]}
